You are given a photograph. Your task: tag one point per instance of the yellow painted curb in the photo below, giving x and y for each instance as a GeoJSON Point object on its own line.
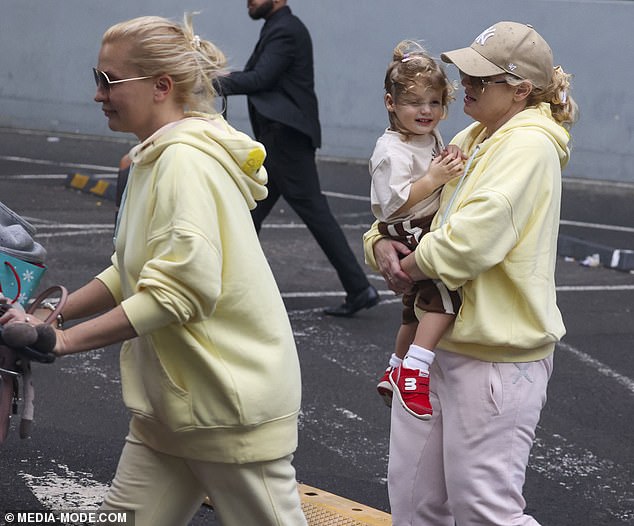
{"type": "Point", "coordinates": [100, 188]}
{"type": "Point", "coordinates": [327, 509]}
{"type": "Point", "coordinates": [79, 181]}
{"type": "Point", "coordinates": [92, 184]}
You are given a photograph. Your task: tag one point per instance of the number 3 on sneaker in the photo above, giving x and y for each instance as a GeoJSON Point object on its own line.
{"type": "Point", "coordinates": [411, 387]}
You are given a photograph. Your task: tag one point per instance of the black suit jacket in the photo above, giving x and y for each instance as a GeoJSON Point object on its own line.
{"type": "Point", "coordinates": [278, 78]}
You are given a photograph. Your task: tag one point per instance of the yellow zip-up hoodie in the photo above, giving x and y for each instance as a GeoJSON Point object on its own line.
{"type": "Point", "coordinates": [495, 240]}
{"type": "Point", "coordinates": [214, 373]}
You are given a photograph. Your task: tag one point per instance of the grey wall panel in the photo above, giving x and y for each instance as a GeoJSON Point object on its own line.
{"type": "Point", "coordinates": [48, 47]}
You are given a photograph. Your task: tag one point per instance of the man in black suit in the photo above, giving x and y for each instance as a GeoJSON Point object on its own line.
{"type": "Point", "coordinates": [278, 81]}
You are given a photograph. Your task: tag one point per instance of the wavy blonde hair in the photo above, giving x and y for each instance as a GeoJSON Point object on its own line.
{"type": "Point", "coordinates": [412, 66]}
{"type": "Point", "coordinates": [562, 106]}
{"type": "Point", "coordinates": [162, 47]}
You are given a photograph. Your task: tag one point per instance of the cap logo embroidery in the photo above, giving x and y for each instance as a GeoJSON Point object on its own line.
{"type": "Point", "coordinates": [484, 36]}
{"type": "Point", "coordinates": [511, 67]}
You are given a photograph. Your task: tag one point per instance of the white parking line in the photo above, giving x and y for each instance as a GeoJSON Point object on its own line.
{"type": "Point", "coordinates": [36, 176]}
{"type": "Point", "coordinates": [48, 162]}
{"type": "Point", "coordinates": [598, 367]}
{"type": "Point", "coordinates": [598, 226]}
{"type": "Point", "coordinates": [593, 288]}
{"type": "Point", "coordinates": [59, 488]}
{"type": "Point", "coordinates": [350, 197]}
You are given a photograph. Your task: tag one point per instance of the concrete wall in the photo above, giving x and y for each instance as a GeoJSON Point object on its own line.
{"type": "Point", "coordinates": [48, 47]}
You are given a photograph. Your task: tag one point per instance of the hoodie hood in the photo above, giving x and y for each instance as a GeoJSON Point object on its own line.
{"type": "Point", "coordinates": [538, 118]}
{"type": "Point", "coordinates": [241, 156]}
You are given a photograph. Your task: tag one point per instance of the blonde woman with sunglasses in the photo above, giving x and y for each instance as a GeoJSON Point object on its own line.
{"type": "Point", "coordinates": [191, 294]}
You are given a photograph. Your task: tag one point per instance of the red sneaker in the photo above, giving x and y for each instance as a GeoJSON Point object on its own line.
{"type": "Point", "coordinates": [411, 386]}
{"type": "Point", "coordinates": [384, 387]}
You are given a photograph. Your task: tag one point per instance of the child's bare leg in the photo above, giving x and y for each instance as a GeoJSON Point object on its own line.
{"type": "Point", "coordinates": [431, 328]}
{"type": "Point", "coordinates": [404, 338]}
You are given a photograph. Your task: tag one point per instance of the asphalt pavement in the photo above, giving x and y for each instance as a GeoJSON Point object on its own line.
{"type": "Point", "coordinates": [582, 464]}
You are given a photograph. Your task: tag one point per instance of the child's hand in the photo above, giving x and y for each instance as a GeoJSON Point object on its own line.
{"type": "Point", "coordinates": [453, 152]}
{"type": "Point", "coordinates": [445, 167]}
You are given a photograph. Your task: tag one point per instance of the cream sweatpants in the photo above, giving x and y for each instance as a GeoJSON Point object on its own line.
{"type": "Point", "coordinates": [163, 490]}
{"type": "Point", "coordinates": [467, 465]}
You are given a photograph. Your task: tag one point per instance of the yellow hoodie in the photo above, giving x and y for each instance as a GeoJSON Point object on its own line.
{"type": "Point", "coordinates": [214, 373]}
{"type": "Point", "coordinates": [498, 242]}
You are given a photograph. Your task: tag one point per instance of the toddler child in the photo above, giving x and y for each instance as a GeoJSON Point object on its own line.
{"type": "Point", "coordinates": [409, 166]}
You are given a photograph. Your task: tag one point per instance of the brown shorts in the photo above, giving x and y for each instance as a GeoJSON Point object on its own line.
{"type": "Point", "coordinates": [407, 232]}
{"type": "Point", "coordinates": [430, 295]}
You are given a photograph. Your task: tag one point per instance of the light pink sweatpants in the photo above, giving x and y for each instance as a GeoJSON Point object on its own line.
{"type": "Point", "coordinates": [467, 465]}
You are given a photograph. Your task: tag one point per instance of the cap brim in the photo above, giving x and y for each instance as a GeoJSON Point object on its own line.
{"type": "Point", "coordinates": [469, 61]}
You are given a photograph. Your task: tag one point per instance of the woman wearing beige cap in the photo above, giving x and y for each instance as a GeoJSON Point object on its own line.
{"type": "Point", "coordinates": [494, 240]}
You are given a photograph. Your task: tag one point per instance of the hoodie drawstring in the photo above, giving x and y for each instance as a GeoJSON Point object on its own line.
{"type": "Point", "coordinates": [459, 185]}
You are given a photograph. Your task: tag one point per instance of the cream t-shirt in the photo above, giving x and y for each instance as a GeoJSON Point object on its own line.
{"type": "Point", "coordinates": [396, 164]}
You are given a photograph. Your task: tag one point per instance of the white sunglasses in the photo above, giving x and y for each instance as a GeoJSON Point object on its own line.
{"type": "Point", "coordinates": [102, 80]}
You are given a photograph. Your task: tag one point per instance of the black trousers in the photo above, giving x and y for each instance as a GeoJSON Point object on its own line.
{"type": "Point", "coordinates": [290, 163]}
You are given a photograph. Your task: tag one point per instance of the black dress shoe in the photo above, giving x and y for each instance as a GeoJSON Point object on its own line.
{"type": "Point", "coordinates": [364, 300]}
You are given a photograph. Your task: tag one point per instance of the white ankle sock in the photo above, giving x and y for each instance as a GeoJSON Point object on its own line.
{"type": "Point", "coordinates": [418, 358]}
{"type": "Point", "coordinates": [395, 361]}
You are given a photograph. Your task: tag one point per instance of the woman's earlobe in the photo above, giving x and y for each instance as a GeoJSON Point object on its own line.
{"type": "Point", "coordinates": [523, 91]}
{"type": "Point", "coordinates": [163, 85]}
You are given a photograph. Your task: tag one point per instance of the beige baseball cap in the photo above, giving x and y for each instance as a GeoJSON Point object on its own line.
{"type": "Point", "coordinates": [506, 47]}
